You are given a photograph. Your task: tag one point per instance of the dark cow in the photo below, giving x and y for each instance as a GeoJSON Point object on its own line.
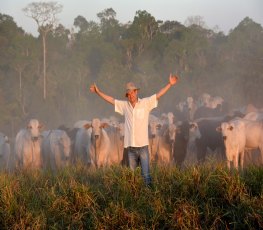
{"type": "Point", "coordinates": [204, 111]}
{"type": "Point", "coordinates": [210, 138]}
{"type": "Point", "coordinates": [179, 147]}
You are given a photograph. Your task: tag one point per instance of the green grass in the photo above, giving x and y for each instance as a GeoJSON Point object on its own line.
{"type": "Point", "coordinates": [200, 197]}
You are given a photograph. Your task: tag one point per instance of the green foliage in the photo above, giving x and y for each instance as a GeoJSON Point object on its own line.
{"type": "Point", "coordinates": [200, 197]}
{"type": "Point", "coordinates": [109, 53]}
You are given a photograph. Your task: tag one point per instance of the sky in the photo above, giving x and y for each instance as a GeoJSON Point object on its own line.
{"type": "Point", "coordinates": [224, 14]}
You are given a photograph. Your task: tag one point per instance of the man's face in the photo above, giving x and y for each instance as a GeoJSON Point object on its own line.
{"type": "Point", "coordinates": [132, 95]}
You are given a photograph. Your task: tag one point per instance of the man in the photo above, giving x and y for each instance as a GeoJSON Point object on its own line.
{"type": "Point", "coordinates": [136, 113]}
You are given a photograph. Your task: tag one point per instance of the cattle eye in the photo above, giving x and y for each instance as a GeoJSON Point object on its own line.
{"type": "Point", "coordinates": [30, 127]}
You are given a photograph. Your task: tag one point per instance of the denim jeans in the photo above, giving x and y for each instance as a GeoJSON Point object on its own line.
{"type": "Point", "coordinates": [140, 156]}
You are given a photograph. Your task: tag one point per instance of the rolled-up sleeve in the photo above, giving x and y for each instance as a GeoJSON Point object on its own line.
{"type": "Point", "coordinates": [152, 102]}
{"type": "Point", "coordinates": [119, 105]}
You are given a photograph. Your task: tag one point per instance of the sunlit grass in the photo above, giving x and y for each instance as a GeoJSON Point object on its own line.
{"type": "Point", "coordinates": [196, 197]}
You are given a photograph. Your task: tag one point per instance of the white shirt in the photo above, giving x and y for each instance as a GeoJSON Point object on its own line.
{"type": "Point", "coordinates": [136, 120]}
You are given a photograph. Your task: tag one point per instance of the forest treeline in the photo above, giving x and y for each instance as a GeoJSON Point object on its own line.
{"type": "Point", "coordinates": [110, 53]}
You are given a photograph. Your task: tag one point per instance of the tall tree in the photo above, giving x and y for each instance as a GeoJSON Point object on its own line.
{"type": "Point", "coordinates": [143, 29]}
{"type": "Point", "coordinates": [110, 28]}
{"type": "Point", "coordinates": [44, 14]}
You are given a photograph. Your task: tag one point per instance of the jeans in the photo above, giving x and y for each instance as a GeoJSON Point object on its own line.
{"type": "Point", "coordinates": [140, 155]}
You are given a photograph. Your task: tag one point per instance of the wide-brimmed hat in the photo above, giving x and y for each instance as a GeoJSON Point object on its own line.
{"type": "Point", "coordinates": [130, 86]}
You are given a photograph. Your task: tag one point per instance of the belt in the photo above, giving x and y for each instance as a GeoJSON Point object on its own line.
{"type": "Point", "coordinates": [134, 148]}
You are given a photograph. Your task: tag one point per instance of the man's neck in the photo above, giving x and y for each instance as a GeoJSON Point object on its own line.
{"type": "Point", "coordinates": [133, 103]}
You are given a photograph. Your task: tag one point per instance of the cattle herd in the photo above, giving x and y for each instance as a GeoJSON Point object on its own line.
{"type": "Point", "coordinates": [198, 130]}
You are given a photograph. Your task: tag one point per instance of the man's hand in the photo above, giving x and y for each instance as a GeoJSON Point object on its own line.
{"type": "Point", "coordinates": [173, 79]}
{"type": "Point", "coordinates": [93, 88]}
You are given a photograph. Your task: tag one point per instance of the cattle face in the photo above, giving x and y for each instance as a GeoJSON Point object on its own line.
{"type": "Point", "coordinates": [172, 132]}
{"type": "Point", "coordinates": [154, 126]}
{"type": "Point", "coordinates": [194, 132]}
{"type": "Point", "coordinates": [120, 128]}
{"type": "Point", "coordinates": [34, 128]}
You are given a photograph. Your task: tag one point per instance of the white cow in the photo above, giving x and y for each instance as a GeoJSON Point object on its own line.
{"type": "Point", "coordinates": [166, 140]}
{"type": "Point", "coordinates": [55, 149]}
{"type": "Point", "coordinates": [166, 118]}
{"type": "Point", "coordinates": [93, 144]}
{"type": "Point", "coordinates": [204, 100]}
{"type": "Point", "coordinates": [240, 135]}
{"type": "Point", "coordinates": [154, 137]}
{"type": "Point", "coordinates": [79, 124]}
{"type": "Point", "coordinates": [215, 101]}
{"type": "Point", "coordinates": [5, 153]}
{"type": "Point", "coordinates": [233, 133]}
{"type": "Point", "coordinates": [116, 135]}
{"type": "Point", "coordinates": [80, 154]}
{"type": "Point", "coordinates": [27, 146]}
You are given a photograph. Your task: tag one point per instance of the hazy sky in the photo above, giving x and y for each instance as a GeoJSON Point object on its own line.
{"type": "Point", "coordinates": [226, 14]}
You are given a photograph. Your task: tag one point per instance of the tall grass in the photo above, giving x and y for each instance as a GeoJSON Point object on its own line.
{"type": "Point", "coordinates": [200, 197]}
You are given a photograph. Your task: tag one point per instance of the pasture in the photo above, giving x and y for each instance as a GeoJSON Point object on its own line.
{"type": "Point", "coordinates": [207, 196]}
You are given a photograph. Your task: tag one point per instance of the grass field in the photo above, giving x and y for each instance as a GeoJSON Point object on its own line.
{"type": "Point", "coordinates": [200, 197]}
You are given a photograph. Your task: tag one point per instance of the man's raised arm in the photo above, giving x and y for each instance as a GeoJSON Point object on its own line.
{"type": "Point", "coordinates": [95, 89]}
{"type": "Point", "coordinates": [172, 81]}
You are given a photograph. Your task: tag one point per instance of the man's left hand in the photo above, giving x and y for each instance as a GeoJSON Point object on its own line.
{"type": "Point", "coordinates": [173, 79]}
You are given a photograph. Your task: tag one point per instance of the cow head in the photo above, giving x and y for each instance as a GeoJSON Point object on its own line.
{"type": "Point", "coordinates": [96, 126]}
{"type": "Point", "coordinates": [120, 129]}
{"type": "Point", "coordinates": [225, 129]}
{"type": "Point", "coordinates": [66, 144]}
{"type": "Point", "coordinates": [34, 127]}
{"type": "Point", "coordinates": [154, 126]}
{"type": "Point", "coordinates": [172, 132]}
{"type": "Point", "coordinates": [194, 132]}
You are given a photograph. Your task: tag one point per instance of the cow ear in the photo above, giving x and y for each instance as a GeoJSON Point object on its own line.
{"type": "Point", "coordinates": [219, 129]}
{"type": "Point", "coordinates": [86, 126]}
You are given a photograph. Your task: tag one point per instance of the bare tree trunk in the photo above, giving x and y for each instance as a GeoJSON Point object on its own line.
{"type": "Point", "coordinates": [44, 13]}
{"type": "Point", "coordinates": [20, 86]}
{"type": "Point", "coordinates": [44, 66]}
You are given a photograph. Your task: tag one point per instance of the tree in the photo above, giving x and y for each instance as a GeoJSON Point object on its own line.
{"type": "Point", "coordinates": [143, 29]}
{"type": "Point", "coordinates": [195, 20]}
{"type": "Point", "coordinates": [110, 28]}
{"type": "Point", "coordinates": [44, 13]}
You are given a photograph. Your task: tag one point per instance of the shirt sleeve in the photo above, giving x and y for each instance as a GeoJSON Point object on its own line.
{"type": "Point", "coordinates": [152, 102]}
{"type": "Point", "coordinates": [119, 106]}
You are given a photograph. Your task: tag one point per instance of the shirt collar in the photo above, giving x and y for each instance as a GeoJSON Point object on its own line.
{"type": "Point", "coordinates": [139, 100]}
